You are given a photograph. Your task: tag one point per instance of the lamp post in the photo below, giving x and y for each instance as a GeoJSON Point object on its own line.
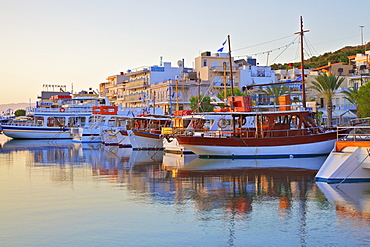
{"type": "Point", "coordinates": [362, 37]}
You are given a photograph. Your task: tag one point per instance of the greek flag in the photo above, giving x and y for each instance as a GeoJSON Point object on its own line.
{"type": "Point", "coordinates": [222, 48]}
{"type": "Point", "coordinates": [299, 78]}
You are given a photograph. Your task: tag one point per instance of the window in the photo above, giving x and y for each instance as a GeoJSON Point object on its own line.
{"type": "Point", "coordinates": [204, 62]}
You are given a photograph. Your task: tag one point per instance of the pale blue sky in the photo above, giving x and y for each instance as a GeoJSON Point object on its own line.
{"type": "Point", "coordinates": [85, 41]}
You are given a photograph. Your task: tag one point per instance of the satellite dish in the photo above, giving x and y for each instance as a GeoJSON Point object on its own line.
{"type": "Point", "coordinates": [179, 63]}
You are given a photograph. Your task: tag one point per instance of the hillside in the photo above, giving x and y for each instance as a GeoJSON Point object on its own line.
{"type": "Point", "coordinates": [340, 55]}
{"type": "Point", "coordinates": [13, 106]}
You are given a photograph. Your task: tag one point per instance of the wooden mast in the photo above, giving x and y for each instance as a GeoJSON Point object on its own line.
{"type": "Point", "coordinates": [302, 65]}
{"type": "Point", "coordinates": [231, 67]}
{"type": "Point", "coordinates": [232, 85]}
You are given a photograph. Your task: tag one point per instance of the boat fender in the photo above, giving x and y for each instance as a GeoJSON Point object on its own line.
{"type": "Point", "coordinates": [222, 123]}
{"type": "Point", "coordinates": [62, 109]}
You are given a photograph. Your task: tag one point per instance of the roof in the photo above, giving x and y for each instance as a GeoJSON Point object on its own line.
{"type": "Point", "coordinates": [340, 113]}
{"type": "Point", "coordinates": [325, 67]}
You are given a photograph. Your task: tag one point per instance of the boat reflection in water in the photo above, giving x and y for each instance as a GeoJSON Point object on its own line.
{"type": "Point", "coordinates": [351, 201]}
{"type": "Point", "coordinates": [286, 164]}
{"type": "Point", "coordinates": [259, 202]}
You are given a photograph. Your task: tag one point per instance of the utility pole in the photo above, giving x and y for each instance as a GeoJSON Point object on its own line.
{"type": "Point", "coordinates": [302, 65]}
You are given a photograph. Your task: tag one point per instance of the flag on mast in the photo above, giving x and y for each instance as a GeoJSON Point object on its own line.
{"type": "Point", "coordinates": [222, 48]}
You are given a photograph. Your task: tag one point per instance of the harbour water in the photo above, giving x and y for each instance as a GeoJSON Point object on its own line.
{"type": "Point", "coordinates": [58, 193]}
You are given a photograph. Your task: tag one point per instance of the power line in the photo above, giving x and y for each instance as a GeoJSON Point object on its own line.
{"type": "Point", "coordinates": [263, 43]}
{"type": "Point", "coordinates": [269, 51]}
{"type": "Point", "coordinates": [287, 46]}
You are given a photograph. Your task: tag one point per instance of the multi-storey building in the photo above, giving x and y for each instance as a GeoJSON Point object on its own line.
{"type": "Point", "coordinates": [172, 87]}
{"type": "Point", "coordinates": [216, 69]}
{"type": "Point", "coordinates": [114, 88]}
{"type": "Point", "coordinates": [361, 70]}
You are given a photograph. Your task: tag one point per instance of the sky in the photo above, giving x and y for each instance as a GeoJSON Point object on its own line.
{"type": "Point", "coordinates": [79, 43]}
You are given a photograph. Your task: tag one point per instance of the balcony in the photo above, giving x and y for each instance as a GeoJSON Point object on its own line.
{"type": "Point", "coordinates": [220, 69]}
{"type": "Point", "coordinates": [138, 97]}
{"type": "Point", "coordinates": [138, 83]}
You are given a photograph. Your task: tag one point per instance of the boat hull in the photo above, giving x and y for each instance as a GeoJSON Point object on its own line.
{"type": "Point", "coordinates": [275, 147]}
{"type": "Point", "coordinates": [86, 135]}
{"type": "Point", "coordinates": [145, 141]}
{"type": "Point", "coordinates": [35, 132]}
{"type": "Point", "coordinates": [171, 145]}
{"type": "Point", "coordinates": [351, 164]}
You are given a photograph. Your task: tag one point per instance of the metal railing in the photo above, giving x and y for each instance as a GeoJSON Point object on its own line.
{"type": "Point", "coordinates": [245, 133]}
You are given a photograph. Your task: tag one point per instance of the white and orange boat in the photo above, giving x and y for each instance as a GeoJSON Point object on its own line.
{"type": "Point", "coordinates": [279, 133]}
{"type": "Point", "coordinates": [349, 161]}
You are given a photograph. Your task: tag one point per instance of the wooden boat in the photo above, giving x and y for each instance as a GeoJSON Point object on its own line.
{"type": "Point", "coordinates": [269, 134]}
{"type": "Point", "coordinates": [145, 131]}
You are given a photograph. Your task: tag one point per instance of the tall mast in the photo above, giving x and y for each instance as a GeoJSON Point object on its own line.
{"type": "Point", "coordinates": [231, 67]}
{"type": "Point", "coordinates": [302, 65]}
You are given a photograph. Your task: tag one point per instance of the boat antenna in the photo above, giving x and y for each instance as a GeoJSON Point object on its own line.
{"type": "Point", "coordinates": [302, 65]}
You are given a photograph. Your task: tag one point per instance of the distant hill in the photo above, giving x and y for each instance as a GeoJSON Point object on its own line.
{"type": "Point", "coordinates": [13, 106]}
{"type": "Point", "coordinates": [340, 55]}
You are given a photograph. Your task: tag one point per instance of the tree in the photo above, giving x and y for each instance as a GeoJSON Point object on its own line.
{"type": "Point", "coordinates": [20, 112]}
{"type": "Point", "coordinates": [351, 96]}
{"type": "Point", "coordinates": [237, 92]}
{"type": "Point", "coordinates": [326, 85]}
{"type": "Point", "coordinates": [363, 101]}
{"type": "Point", "coordinates": [276, 91]}
{"type": "Point", "coordinates": [205, 103]}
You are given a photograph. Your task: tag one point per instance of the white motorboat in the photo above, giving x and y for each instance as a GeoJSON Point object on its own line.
{"type": "Point", "coordinates": [349, 161]}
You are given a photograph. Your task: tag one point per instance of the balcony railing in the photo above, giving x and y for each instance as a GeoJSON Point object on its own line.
{"type": "Point", "coordinates": [134, 97]}
{"type": "Point", "coordinates": [138, 83]}
{"type": "Point", "coordinates": [221, 69]}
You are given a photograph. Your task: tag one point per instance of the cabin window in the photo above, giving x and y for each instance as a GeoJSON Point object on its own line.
{"type": "Point", "coordinates": [39, 121]}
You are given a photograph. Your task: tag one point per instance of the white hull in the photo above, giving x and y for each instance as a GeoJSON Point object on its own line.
{"type": "Point", "coordinates": [171, 145]}
{"type": "Point", "coordinates": [86, 135]}
{"type": "Point", "coordinates": [114, 137]}
{"type": "Point", "coordinates": [145, 143]}
{"type": "Point", "coordinates": [301, 150]}
{"type": "Point", "coordinates": [352, 164]}
{"type": "Point", "coordinates": [34, 132]}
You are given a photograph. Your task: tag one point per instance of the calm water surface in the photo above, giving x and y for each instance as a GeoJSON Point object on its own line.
{"type": "Point", "coordinates": [56, 193]}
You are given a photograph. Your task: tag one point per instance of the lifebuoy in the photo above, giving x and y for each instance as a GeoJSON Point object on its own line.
{"type": "Point", "coordinates": [62, 109]}
{"type": "Point", "coordinates": [222, 123]}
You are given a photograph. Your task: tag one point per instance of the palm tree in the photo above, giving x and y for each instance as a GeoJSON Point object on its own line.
{"type": "Point", "coordinates": [276, 91]}
{"type": "Point", "coordinates": [351, 96]}
{"type": "Point", "coordinates": [326, 85]}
